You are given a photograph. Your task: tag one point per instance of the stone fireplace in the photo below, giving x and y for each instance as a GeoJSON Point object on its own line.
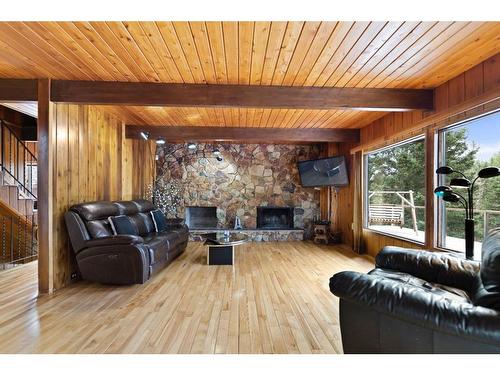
{"type": "Point", "coordinates": [274, 217]}
{"type": "Point", "coordinates": [244, 178]}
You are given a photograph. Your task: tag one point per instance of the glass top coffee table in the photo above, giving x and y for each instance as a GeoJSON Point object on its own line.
{"type": "Point", "coordinates": [221, 247]}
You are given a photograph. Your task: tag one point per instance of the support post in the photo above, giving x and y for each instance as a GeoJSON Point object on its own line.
{"type": "Point", "coordinates": [430, 176]}
{"type": "Point", "coordinates": [46, 137]}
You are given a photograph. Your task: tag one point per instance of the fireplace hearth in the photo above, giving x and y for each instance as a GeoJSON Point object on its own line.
{"type": "Point", "coordinates": [269, 217]}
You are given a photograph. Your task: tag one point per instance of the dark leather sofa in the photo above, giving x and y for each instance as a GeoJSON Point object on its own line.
{"type": "Point", "coordinates": [121, 259]}
{"type": "Point", "coordinates": [422, 302]}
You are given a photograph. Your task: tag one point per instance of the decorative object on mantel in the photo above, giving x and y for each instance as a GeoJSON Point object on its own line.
{"type": "Point", "coordinates": [449, 195]}
{"type": "Point", "coordinates": [237, 223]}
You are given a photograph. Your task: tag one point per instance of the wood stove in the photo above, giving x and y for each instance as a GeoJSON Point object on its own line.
{"type": "Point", "coordinates": [269, 217]}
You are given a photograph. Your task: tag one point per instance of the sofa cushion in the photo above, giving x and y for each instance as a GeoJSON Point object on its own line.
{"type": "Point", "coordinates": [487, 288]}
{"type": "Point", "coordinates": [99, 228]}
{"type": "Point", "coordinates": [159, 220]}
{"type": "Point", "coordinates": [144, 205]}
{"type": "Point", "coordinates": [441, 290]}
{"type": "Point", "coordinates": [95, 210]}
{"type": "Point", "coordinates": [490, 261]}
{"type": "Point", "coordinates": [143, 223]}
{"type": "Point", "coordinates": [159, 246]}
{"type": "Point", "coordinates": [127, 207]}
{"type": "Point", "coordinates": [122, 225]}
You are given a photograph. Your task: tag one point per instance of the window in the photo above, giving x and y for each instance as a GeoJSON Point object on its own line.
{"type": "Point", "coordinates": [395, 190]}
{"type": "Point", "coordinates": [469, 147]}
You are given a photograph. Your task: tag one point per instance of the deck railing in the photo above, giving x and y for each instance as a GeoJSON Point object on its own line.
{"type": "Point", "coordinates": [482, 217]}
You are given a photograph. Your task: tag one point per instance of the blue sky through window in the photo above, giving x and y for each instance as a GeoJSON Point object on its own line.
{"type": "Point", "coordinates": [485, 133]}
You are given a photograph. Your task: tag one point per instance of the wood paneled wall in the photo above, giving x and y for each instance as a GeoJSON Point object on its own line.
{"type": "Point", "coordinates": [87, 167]}
{"type": "Point", "coordinates": [472, 83]}
{"type": "Point", "coordinates": [341, 199]}
{"type": "Point", "coordinates": [476, 81]}
{"type": "Point", "coordinates": [138, 167]}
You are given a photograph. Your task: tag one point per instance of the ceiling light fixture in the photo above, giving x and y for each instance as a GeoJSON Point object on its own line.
{"type": "Point", "coordinates": [191, 146]}
{"type": "Point", "coordinates": [144, 135]}
{"type": "Point", "coordinates": [160, 141]}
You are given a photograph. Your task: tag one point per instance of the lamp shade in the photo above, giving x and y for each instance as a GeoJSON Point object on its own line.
{"type": "Point", "coordinates": [460, 182]}
{"type": "Point", "coordinates": [444, 170]}
{"type": "Point", "coordinates": [440, 190]}
{"type": "Point", "coordinates": [489, 172]}
{"type": "Point", "coordinates": [451, 197]}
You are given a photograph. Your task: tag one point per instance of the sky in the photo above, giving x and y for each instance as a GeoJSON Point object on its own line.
{"type": "Point", "coordinates": [485, 133]}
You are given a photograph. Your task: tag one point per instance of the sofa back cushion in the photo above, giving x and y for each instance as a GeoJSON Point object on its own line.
{"type": "Point", "coordinates": [95, 216]}
{"type": "Point", "coordinates": [490, 261]}
{"type": "Point", "coordinates": [99, 228]}
{"type": "Point", "coordinates": [95, 210]}
{"type": "Point", "coordinates": [122, 225]}
{"type": "Point", "coordinates": [487, 291]}
{"type": "Point", "coordinates": [143, 223]}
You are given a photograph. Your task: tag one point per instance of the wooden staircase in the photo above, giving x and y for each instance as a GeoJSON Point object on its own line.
{"type": "Point", "coordinates": [12, 196]}
{"type": "Point", "coordinates": [17, 173]}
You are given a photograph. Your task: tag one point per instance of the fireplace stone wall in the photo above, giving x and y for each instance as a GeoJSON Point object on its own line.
{"type": "Point", "coordinates": [248, 176]}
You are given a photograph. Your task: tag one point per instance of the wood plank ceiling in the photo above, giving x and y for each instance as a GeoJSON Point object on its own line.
{"type": "Point", "coordinates": [322, 54]}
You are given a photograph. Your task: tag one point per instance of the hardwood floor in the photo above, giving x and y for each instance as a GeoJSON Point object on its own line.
{"type": "Point", "coordinates": [274, 300]}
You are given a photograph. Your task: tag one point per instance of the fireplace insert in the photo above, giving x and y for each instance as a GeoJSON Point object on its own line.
{"type": "Point", "coordinates": [274, 217]}
{"type": "Point", "coordinates": [199, 217]}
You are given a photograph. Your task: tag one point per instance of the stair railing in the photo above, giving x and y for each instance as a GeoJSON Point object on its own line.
{"type": "Point", "coordinates": [18, 164]}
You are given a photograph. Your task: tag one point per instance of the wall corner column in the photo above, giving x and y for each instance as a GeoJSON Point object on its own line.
{"type": "Point", "coordinates": [46, 139]}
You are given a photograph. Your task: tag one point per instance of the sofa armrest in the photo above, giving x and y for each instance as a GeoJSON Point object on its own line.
{"type": "Point", "coordinates": [418, 306]}
{"type": "Point", "coordinates": [120, 264]}
{"type": "Point", "coordinates": [120, 239]}
{"type": "Point", "coordinates": [435, 267]}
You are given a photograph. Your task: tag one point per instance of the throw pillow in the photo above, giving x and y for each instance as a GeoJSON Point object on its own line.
{"type": "Point", "coordinates": [159, 220]}
{"type": "Point", "coordinates": [122, 225]}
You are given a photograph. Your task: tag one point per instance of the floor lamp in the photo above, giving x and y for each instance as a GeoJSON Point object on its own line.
{"type": "Point", "coordinates": [449, 195]}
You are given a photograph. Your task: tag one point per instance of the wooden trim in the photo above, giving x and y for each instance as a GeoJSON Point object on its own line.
{"type": "Point", "coordinates": [195, 95]}
{"type": "Point", "coordinates": [18, 90]}
{"type": "Point", "coordinates": [430, 164]}
{"type": "Point", "coordinates": [243, 134]}
{"type": "Point", "coordinates": [431, 121]}
{"type": "Point", "coordinates": [46, 137]}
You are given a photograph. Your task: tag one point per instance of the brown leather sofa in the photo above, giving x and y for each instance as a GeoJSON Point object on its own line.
{"type": "Point", "coordinates": [121, 259]}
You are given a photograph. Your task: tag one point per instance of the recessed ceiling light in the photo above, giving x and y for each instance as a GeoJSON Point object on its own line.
{"type": "Point", "coordinates": [160, 141]}
{"type": "Point", "coordinates": [191, 146]}
{"type": "Point", "coordinates": [144, 135]}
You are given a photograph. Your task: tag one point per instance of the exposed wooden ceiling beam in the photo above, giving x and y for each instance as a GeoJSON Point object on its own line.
{"type": "Point", "coordinates": [192, 95]}
{"type": "Point", "coordinates": [18, 90]}
{"type": "Point", "coordinates": [245, 135]}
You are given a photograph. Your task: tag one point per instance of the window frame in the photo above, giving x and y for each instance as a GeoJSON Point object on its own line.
{"type": "Point", "coordinates": [440, 226]}
{"type": "Point", "coordinates": [419, 137]}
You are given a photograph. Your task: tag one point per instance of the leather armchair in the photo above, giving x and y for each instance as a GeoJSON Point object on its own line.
{"type": "Point", "coordinates": [121, 259]}
{"type": "Point", "coordinates": [422, 302]}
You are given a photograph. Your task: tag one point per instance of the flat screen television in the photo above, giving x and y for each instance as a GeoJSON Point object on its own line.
{"type": "Point", "coordinates": [323, 172]}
